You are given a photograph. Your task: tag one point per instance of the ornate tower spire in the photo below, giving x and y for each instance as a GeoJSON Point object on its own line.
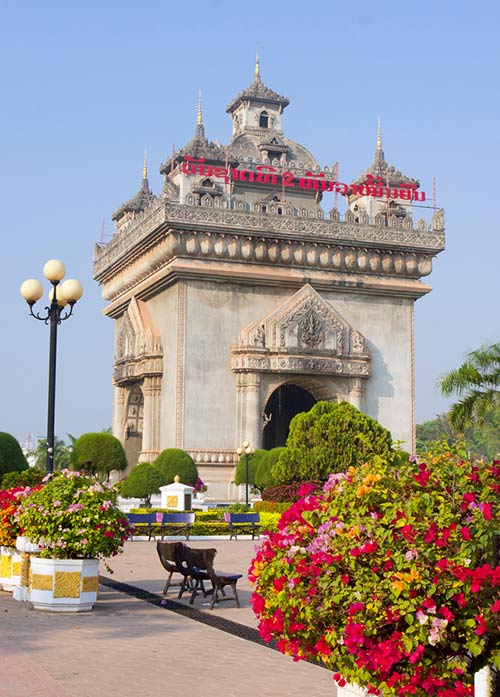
{"type": "Point", "coordinates": [379, 162]}
{"type": "Point", "coordinates": [200, 116]}
{"type": "Point", "coordinates": [199, 133]}
{"type": "Point", "coordinates": [257, 67]}
{"type": "Point", "coordinates": [145, 168]}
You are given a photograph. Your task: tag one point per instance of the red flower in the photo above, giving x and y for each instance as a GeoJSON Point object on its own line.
{"type": "Point", "coordinates": [278, 583]}
{"type": "Point", "coordinates": [486, 509]}
{"type": "Point", "coordinates": [496, 606]}
{"type": "Point", "coordinates": [339, 680]}
{"type": "Point", "coordinates": [465, 532]}
{"type": "Point", "coordinates": [422, 477]}
{"type": "Point", "coordinates": [355, 607]}
{"type": "Point", "coordinates": [481, 625]}
{"type": "Point", "coordinates": [446, 613]}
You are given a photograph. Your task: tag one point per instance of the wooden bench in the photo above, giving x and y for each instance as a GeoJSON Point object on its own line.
{"type": "Point", "coordinates": [177, 524]}
{"type": "Point", "coordinates": [243, 524]}
{"type": "Point", "coordinates": [197, 565]}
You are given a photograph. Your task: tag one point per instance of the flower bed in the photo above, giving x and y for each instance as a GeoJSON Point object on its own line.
{"type": "Point", "coordinates": [388, 576]}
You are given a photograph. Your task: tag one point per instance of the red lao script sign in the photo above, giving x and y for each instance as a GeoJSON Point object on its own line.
{"type": "Point", "coordinates": [317, 181]}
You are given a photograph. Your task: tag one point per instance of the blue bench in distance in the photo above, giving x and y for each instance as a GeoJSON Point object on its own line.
{"type": "Point", "coordinates": [177, 524]}
{"type": "Point", "coordinates": [143, 522]}
{"type": "Point", "coordinates": [243, 524]}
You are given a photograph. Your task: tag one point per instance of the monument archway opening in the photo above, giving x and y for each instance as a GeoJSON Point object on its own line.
{"type": "Point", "coordinates": [284, 403]}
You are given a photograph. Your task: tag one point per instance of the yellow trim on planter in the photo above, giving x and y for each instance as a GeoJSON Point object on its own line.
{"type": "Point", "coordinates": [41, 582]}
{"type": "Point", "coordinates": [16, 568]}
{"type": "Point", "coordinates": [6, 566]}
{"type": "Point", "coordinates": [67, 584]}
{"type": "Point", "coordinates": [90, 584]}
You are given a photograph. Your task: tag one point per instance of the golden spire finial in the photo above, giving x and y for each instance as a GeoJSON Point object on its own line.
{"type": "Point", "coordinates": [200, 117]}
{"type": "Point", "coordinates": [145, 168]}
{"type": "Point", "coordinates": [379, 137]}
{"type": "Point", "coordinates": [257, 65]}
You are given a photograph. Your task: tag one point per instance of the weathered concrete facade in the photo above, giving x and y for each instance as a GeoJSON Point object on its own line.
{"type": "Point", "coordinates": [236, 300]}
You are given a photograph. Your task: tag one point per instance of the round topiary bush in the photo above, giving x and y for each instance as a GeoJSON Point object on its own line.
{"type": "Point", "coordinates": [329, 438]}
{"type": "Point", "coordinates": [172, 461]}
{"type": "Point", "coordinates": [11, 456]}
{"type": "Point", "coordinates": [98, 454]}
{"type": "Point", "coordinates": [143, 481]}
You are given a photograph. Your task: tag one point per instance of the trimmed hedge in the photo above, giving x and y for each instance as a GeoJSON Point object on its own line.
{"type": "Point", "coordinates": [206, 525]}
{"type": "Point", "coordinates": [271, 507]}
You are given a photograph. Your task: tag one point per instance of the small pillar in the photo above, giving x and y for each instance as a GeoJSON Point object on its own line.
{"type": "Point", "coordinates": [177, 496]}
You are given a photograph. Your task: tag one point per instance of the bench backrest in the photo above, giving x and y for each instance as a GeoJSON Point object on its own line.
{"type": "Point", "coordinates": [166, 552]}
{"type": "Point", "coordinates": [242, 517]}
{"type": "Point", "coordinates": [147, 518]}
{"type": "Point", "coordinates": [179, 517]}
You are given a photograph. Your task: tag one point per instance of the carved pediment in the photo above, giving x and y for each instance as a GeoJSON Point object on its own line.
{"type": "Point", "coordinates": [139, 350]}
{"type": "Point", "coordinates": [308, 330]}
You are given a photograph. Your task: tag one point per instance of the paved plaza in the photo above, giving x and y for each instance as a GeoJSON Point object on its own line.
{"type": "Point", "coordinates": [132, 646]}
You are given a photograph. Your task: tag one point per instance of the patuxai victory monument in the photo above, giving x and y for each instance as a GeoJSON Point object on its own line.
{"type": "Point", "coordinates": [239, 300]}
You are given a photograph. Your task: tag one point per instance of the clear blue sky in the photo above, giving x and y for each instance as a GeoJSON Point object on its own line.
{"type": "Point", "coordinates": [86, 87]}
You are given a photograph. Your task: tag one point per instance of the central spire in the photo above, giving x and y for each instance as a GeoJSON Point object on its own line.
{"type": "Point", "coordinates": [200, 117]}
{"type": "Point", "coordinates": [379, 137]}
{"type": "Point", "coordinates": [257, 66]}
{"type": "Point", "coordinates": [145, 168]}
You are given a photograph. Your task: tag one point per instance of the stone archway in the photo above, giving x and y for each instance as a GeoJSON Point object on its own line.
{"type": "Point", "coordinates": [283, 404]}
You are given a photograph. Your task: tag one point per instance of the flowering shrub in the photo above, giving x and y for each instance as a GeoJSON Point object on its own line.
{"type": "Point", "coordinates": [9, 503]}
{"type": "Point", "coordinates": [388, 576]}
{"type": "Point", "coordinates": [74, 517]}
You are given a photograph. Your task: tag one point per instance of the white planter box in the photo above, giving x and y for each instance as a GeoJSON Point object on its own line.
{"type": "Point", "coordinates": [64, 585]}
{"type": "Point", "coordinates": [24, 544]}
{"type": "Point", "coordinates": [10, 568]}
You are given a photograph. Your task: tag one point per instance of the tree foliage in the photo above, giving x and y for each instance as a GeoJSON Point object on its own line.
{"type": "Point", "coordinates": [11, 455]}
{"type": "Point", "coordinates": [481, 441]}
{"type": "Point", "coordinates": [329, 438]}
{"type": "Point", "coordinates": [62, 454]}
{"type": "Point", "coordinates": [173, 461]}
{"type": "Point", "coordinates": [476, 382]}
{"type": "Point", "coordinates": [254, 461]}
{"type": "Point", "coordinates": [144, 480]}
{"type": "Point", "coordinates": [264, 476]}
{"type": "Point", "coordinates": [98, 454]}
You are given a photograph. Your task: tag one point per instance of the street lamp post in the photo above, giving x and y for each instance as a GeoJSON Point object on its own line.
{"type": "Point", "coordinates": [68, 293]}
{"type": "Point", "coordinates": [246, 450]}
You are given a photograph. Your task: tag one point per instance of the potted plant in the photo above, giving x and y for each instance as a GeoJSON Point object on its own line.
{"type": "Point", "coordinates": [389, 576]}
{"type": "Point", "coordinates": [76, 520]}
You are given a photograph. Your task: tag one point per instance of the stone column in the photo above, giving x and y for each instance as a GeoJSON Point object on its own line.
{"type": "Point", "coordinates": [151, 390]}
{"type": "Point", "coordinates": [248, 419]}
{"type": "Point", "coordinates": [120, 395]}
{"type": "Point", "coordinates": [356, 393]}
